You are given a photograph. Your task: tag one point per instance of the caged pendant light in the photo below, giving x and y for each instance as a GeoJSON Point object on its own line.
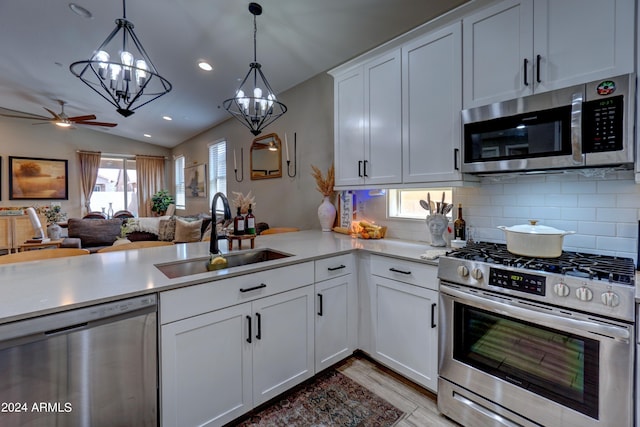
{"type": "Point", "coordinates": [122, 72]}
{"type": "Point", "coordinates": [255, 105]}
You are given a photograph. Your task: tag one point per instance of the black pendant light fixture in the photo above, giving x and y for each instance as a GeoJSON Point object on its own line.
{"type": "Point", "coordinates": [255, 105]}
{"type": "Point", "coordinates": [122, 72]}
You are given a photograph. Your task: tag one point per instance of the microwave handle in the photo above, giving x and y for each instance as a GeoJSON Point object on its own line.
{"type": "Point", "coordinates": [456, 153]}
{"type": "Point", "coordinates": [576, 128]}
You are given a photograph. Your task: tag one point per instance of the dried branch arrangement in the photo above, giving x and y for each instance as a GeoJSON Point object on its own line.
{"type": "Point", "coordinates": [242, 201]}
{"type": "Point", "coordinates": [324, 185]}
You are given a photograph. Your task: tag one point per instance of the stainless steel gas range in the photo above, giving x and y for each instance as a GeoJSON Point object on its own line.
{"type": "Point", "coordinates": [536, 341]}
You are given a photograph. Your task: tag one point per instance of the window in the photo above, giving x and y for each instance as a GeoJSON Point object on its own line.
{"type": "Point", "coordinates": [178, 163]}
{"type": "Point", "coordinates": [406, 203]}
{"type": "Point", "coordinates": [116, 185]}
{"type": "Point", "coordinates": [217, 168]}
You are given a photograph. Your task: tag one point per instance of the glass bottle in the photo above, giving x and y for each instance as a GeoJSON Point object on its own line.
{"type": "Point", "coordinates": [250, 222]}
{"type": "Point", "coordinates": [238, 224]}
{"type": "Point", "coordinates": [110, 211]}
{"type": "Point", "coordinates": [459, 226]}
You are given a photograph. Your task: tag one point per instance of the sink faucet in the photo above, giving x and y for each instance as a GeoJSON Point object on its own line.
{"type": "Point", "coordinates": [213, 246]}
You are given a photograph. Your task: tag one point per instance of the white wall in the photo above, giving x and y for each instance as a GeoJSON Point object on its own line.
{"type": "Point", "coordinates": [603, 210]}
{"type": "Point", "coordinates": [22, 139]}
{"type": "Point", "coordinates": [280, 202]}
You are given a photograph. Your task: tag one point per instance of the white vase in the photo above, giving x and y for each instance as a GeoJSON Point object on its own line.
{"type": "Point", "coordinates": [326, 214]}
{"type": "Point", "coordinates": [54, 231]}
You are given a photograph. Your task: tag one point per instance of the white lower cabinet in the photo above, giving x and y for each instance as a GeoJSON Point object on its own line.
{"type": "Point", "coordinates": [336, 310]}
{"type": "Point", "coordinates": [218, 365]}
{"type": "Point", "coordinates": [404, 304]}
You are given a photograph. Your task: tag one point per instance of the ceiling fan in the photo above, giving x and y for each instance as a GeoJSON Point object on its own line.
{"type": "Point", "coordinates": [63, 120]}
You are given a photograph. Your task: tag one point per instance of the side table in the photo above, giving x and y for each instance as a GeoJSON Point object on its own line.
{"type": "Point", "coordinates": [39, 245]}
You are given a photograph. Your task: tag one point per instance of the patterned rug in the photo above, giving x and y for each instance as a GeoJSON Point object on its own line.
{"type": "Point", "coordinates": [332, 399]}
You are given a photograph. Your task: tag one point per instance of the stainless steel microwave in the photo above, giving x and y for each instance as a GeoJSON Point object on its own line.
{"type": "Point", "coordinates": [588, 125]}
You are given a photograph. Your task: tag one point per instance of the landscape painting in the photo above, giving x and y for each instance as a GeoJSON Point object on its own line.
{"type": "Point", "coordinates": [195, 178]}
{"type": "Point", "coordinates": [35, 178]}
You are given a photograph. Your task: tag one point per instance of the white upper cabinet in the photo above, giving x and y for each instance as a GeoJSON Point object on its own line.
{"type": "Point", "coordinates": [520, 47]}
{"type": "Point", "coordinates": [432, 99]}
{"type": "Point", "coordinates": [368, 127]}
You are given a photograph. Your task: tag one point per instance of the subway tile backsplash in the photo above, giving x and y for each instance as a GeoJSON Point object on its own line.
{"type": "Point", "coordinates": [603, 209]}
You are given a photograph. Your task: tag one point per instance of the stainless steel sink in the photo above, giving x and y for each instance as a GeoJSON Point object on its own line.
{"type": "Point", "coordinates": [200, 265]}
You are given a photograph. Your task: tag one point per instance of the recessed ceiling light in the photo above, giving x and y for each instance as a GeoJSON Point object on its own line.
{"type": "Point", "coordinates": [204, 65]}
{"type": "Point", "coordinates": [80, 11]}
{"type": "Point", "coordinates": [167, 118]}
{"type": "Point", "coordinates": [146, 135]}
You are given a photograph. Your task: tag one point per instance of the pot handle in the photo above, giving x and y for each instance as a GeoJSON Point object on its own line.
{"type": "Point", "coordinates": [502, 227]}
{"type": "Point", "coordinates": [568, 232]}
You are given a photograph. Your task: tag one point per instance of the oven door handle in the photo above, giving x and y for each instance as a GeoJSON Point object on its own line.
{"type": "Point", "coordinates": [539, 317]}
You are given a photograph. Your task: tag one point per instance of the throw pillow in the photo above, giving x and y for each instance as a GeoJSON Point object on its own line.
{"type": "Point", "coordinates": [187, 231]}
{"type": "Point", "coordinates": [167, 229]}
{"type": "Point", "coordinates": [206, 236]}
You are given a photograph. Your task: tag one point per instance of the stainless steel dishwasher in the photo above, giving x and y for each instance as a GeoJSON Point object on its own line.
{"type": "Point", "coordinates": [94, 366]}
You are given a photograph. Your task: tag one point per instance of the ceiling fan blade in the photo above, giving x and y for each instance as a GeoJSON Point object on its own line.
{"type": "Point", "coordinates": [104, 124]}
{"type": "Point", "coordinates": [26, 117]}
{"type": "Point", "coordinates": [82, 118]}
{"type": "Point", "coordinates": [53, 113]}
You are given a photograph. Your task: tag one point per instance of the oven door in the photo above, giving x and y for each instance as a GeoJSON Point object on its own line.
{"type": "Point", "coordinates": [506, 361]}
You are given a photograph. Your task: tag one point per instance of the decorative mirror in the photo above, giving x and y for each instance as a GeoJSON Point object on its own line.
{"type": "Point", "coordinates": [265, 157]}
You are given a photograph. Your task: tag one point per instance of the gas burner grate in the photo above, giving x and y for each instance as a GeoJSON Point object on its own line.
{"type": "Point", "coordinates": [589, 266]}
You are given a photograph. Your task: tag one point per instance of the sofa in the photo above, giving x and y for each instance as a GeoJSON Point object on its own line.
{"type": "Point", "coordinates": [95, 234]}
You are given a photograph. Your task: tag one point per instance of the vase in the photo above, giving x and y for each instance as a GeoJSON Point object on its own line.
{"type": "Point", "coordinates": [54, 231]}
{"type": "Point", "coordinates": [326, 214]}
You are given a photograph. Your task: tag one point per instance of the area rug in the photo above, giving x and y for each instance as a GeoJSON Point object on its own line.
{"type": "Point", "coordinates": [332, 399]}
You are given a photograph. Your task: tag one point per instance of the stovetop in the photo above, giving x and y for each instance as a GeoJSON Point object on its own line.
{"type": "Point", "coordinates": [593, 267]}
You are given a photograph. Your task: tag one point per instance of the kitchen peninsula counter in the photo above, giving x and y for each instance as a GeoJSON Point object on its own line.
{"type": "Point", "coordinates": [42, 287]}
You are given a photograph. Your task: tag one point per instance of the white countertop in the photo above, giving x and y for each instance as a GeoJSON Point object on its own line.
{"type": "Point", "coordinates": [41, 287]}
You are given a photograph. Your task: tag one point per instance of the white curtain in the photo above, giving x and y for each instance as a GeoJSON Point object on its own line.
{"type": "Point", "coordinates": [150, 173]}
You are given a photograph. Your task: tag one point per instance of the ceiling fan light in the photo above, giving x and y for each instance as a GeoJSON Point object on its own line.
{"type": "Point", "coordinates": [63, 124]}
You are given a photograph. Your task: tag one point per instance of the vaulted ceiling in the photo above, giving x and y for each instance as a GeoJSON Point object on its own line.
{"type": "Point", "coordinates": [296, 40]}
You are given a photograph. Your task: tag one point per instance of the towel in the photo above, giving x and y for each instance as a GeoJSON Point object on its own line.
{"type": "Point", "coordinates": [433, 253]}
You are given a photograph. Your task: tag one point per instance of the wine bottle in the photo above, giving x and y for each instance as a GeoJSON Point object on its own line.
{"type": "Point", "coordinates": [238, 224]}
{"type": "Point", "coordinates": [250, 222]}
{"type": "Point", "coordinates": [460, 226]}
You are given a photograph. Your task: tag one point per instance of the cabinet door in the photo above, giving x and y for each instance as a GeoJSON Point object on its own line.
{"type": "Point", "coordinates": [335, 314]}
{"type": "Point", "coordinates": [432, 99]}
{"type": "Point", "coordinates": [383, 120]}
{"type": "Point", "coordinates": [496, 43]}
{"type": "Point", "coordinates": [282, 342]}
{"type": "Point", "coordinates": [349, 127]}
{"type": "Point", "coordinates": [206, 368]}
{"type": "Point", "coordinates": [574, 50]}
{"type": "Point", "coordinates": [5, 234]}
{"type": "Point", "coordinates": [404, 329]}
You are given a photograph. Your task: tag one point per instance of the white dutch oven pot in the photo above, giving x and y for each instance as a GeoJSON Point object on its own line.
{"type": "Point", "coordinates": [534, 240]}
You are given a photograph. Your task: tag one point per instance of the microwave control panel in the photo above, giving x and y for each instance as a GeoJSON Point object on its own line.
{"type": "Point", "coordinates": [602, 124]}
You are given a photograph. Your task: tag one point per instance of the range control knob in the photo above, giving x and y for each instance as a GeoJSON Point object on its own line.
{"type": "Point", "coordinates": [463, 271]}
{"type": "Point", "coordinates": [476, 273]}
{"type": "Point", "coordinates": [610, 299]}
{"type": "Point", "coordinates": [561, 289]}
{"type": "Point", "coordinates": [584, 294]}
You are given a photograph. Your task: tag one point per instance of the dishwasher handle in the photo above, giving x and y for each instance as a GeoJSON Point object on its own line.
{"type": "Point", "coordinates": [73, 320]}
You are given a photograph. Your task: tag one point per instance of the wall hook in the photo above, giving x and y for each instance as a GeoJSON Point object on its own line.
{"type": "Point", "coordinates": [235, 165]}
{"type": "Point", "coordinates": [295, 144]}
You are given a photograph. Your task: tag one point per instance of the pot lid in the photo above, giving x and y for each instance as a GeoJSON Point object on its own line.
{"type": "Point", "coordinates": [534, 228]}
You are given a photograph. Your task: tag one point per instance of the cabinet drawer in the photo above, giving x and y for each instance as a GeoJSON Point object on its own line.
{"type": "Point", "coordinates": [414, 273]}
{"type": "Point", "coordinates": [334, 267]}
{"type": "Point", "coordinates": [197, 299]}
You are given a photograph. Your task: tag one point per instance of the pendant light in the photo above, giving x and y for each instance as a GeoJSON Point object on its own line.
{"type": "Point", "coordinates": [255, 105]}
{"type": "Point", "coordinates": [122, 72]}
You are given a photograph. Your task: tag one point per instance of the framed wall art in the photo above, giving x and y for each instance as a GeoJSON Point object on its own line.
{"type": "Point", "coordinates": [195, 181]}
{"type": "Point", "coordinates": [35, 178]}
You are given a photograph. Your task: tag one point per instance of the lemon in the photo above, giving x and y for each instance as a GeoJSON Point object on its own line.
{"type": "Point", "coordinates": [217, 263]}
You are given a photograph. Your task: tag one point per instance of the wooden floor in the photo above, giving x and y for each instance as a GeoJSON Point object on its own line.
{"type": "Point", "coordinates": [418, 404]}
